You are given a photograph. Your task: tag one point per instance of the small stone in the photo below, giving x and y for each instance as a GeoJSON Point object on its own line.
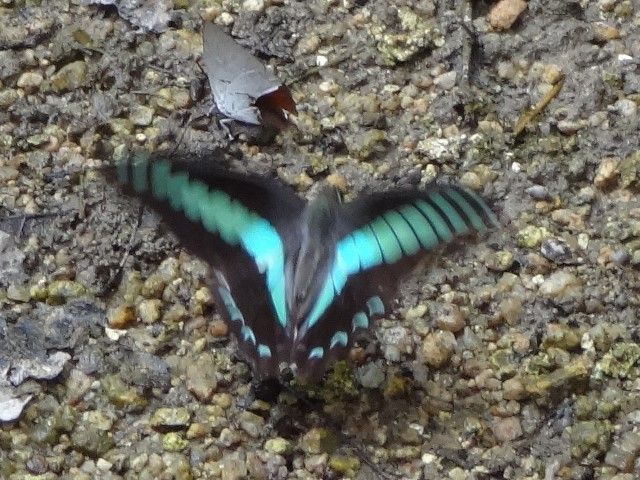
{"type": "Point", "coordinates": [121, 126]}
{"type": "Point", "coordinates": [346, 466]}
{"type": "Point", "coordinates": [141, 115]}
{"type": "Point", "coordinates": [551, 74]}
{"type": "Point", "coordinates": [509, 310]}
{"type": "Point", "coordinates": [69, 77]}
{"type": "Point", "coordinates": [416, 312]}
{"type": "Point", "coordinates": [30, 81]}
{"type": "Point", "coordinates": [172, 98]}
{"type": "Point", "coordinates": [201, 377]}
{"type": "Point", "coordinates": [569, 127]}
{"type": "Point", "coordinates": [63, 290]}
{"type": "Point", "coordinates": [507, 429]}
{"type": "Point", "coordinates": [175, 314]}
{"type": "Point", "coordinates": [198, 430]}
{"type": "Point", "coordinates": [121, 317]}
{"type": "Point", "coordinates": [229, 437]}
{"type": "Point", "coordinates": [513, 389]}
{"type": "Point", "coordinates": [437, 348]}
{"type": "Point", "coordinates": [532, 236]}
{"type": "Point", "coordinates": [561, 284]}
{"type": "Point", "coordinates": [251, 423]}
{"type": "Point", "coordinates": [538, 192]}
{"type": "Point", "coordinates": [90, 440]}
{"type": "Point", "coordinates": [253, 5]}
{"type": "Point", "coordinates": [149, 310]}
{"type": "Point", "coordinates": [8, 173]}
{"type": "Point", "coordinates": [450, 318]}
{"type": "Point", "coordinates": [621, 361]}
{"type": "Point", "coordinates": [174, 442]}
{"type": "Point", "coordinates": [505, 13]}
{"type": "Point", "coordinates": [499, 261]}
{"type": "Point", "coordinates": [608, 173]}
{"type": "Point", "coordinates": [318, 440]}
{"type": "Point", "coordinates": [18, 293]}
{"type": "Point", "coordinates": [446, 81]}
{"type": "Point", "coordinates": [308, 44]}
{"type": "Point", "coordinates": [556, 250]}
{"type": "Point", "coordinates": [121, 395]}
{"type": "Point", "coordinates": [370, 375]}
{"type": "Point", "coordinates": [338, 181]}
{"type": "Point", "coordinates": [153, 286]}
{"type": "Point", "coordinates": [166, 418]}
{"type": "Point", "coordinates": [278, 446]}
{"type": "Point", "coordinates": [624, 451]}
{"type": "Point", "coordinates": [626, 108]}
{"type": "Point", "coordinates": [219, 328]}
{"type": "Point", "coordinates": [604, 32]}
{"type": "Point", "coordinates": [8, 97]}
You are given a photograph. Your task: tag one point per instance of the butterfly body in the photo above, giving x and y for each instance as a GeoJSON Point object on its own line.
{"type": "Point", "coordinates": [296, 281]}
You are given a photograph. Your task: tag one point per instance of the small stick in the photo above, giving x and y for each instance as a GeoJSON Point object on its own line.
{"type": "Point", "coordinates": [526, 118]}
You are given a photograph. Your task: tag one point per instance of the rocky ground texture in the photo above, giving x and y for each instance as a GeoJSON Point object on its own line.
{"type": "Point", "coordinates": [517, 357]}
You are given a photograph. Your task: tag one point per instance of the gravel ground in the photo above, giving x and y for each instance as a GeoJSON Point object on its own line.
{"type": "Point", "coordinates": [517, 357]}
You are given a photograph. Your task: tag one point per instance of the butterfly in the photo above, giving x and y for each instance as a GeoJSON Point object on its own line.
{"type": "Point", "coordinates": [297, 280]}
{"type": "Point", "coordinates": [242, 87]}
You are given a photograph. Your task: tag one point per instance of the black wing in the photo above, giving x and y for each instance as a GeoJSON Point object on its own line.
{"type": "Point", "coordinates": [242, 225]}
{"type": "Point", "coordinates": [382, 237]}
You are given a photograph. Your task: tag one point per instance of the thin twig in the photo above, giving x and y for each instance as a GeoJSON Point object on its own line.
{"type": "Point", "coordinates": [528, 117]}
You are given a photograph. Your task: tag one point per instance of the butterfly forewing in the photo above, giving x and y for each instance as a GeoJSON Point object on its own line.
{"type": "Point", "coordinates": [383, 237]}
{"type": "Point", "coordinates": [241, 225]}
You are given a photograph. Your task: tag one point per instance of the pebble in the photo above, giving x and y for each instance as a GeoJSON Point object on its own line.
{"type": "Point", "coordinates": [510, 310]}
{"type": "Point", "coordinates": [318, 440]}
{"type": "Point", "coordinates": [166, 418]}
{"type": "Point", "coordinates": [437, 348]}
{"type": "Point", "coordinates": [607, 173]}
{"type": "Point", "coordinates": [538, 192]}
{"type": "Point", "coordinates": [556, 250]}
{"type": "Point", "coordinates": [626, 108]}
{"type": "Point", "coordinates": [446, 81]}
{"type": "Point", "coordinates": [8, 97]}
{"type": "Point", "coordinates": [364, 144]}
{"type": "Point", "coordinates": [253, 5]}
{"type": "Point", "coordinates": [8, 173]}
{"type": "Point", "coordinates": [30, 81]}
{"type": "Point", "coordinates": [219, 328]}
{"type": "Point", "coordinates": [149, 310]}
{"type": "Point", "coordinates": [121, 317]}
{"type": "Point", "coordinates": [251, 423]}
{"type": "Point", "coordinates": [70, 77]}
{"type": "Point", "coordinates": [507, 429]}
{"type": "Point", "coordinates": [174, 442]}
{"type": "Point", "coordinates": [532, 236]}
{"type": "Point", "coordinates": [141, 115]}
{"type": "Point", "coordinates": [449, 317]}
{"type": "Point", "coordinates": [513, 389]}
{"type": "Point", "coordinates": [278, 446]}
{"type": "Point", "coordinates": [560, 284]}
{"type": "Point", "coordinates": [505, 13]}
{"type": "Point", "coordinates": [201, 377]}
{"type": "Point", "coordinates": [371, 375]}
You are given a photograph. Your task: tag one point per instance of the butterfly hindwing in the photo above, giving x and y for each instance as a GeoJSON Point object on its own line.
{"type": "Point", "coordinates": [241, 225]}
{"type": "Point", "coordinates": [382, 237]}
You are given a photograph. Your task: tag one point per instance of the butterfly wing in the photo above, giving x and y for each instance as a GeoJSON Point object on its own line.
{"type": "Point", "coordinates": [237, 78]}
{"type": "Point", "coordinates": [241, 225]}
{"type": "Point", "coordinates": [382, 237]}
